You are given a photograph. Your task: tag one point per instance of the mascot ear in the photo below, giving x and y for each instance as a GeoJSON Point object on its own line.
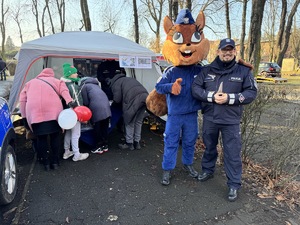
{"type": "Point", "coordinates": [168, 24]}
{"type": "Point", "coordinates": [200, 21]}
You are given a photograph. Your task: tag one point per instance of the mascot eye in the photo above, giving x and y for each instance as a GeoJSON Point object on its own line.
{"type": "Point", "coordinates": [196, 37]}
{"type": "Point", "coordinates": [177, 38]}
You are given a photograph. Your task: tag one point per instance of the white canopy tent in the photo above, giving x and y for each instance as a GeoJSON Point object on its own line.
{"type": "Point", "coordinates": [54, 50]}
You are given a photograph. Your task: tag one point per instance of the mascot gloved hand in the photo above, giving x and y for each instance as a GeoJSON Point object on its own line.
{"type": "Point", "coordinates": [176, 87]}
{"type": "Point", "coordinates": [184, 47]}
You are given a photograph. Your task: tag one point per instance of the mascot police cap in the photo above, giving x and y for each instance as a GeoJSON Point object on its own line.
{"type": "Point", "coordinates": [184, 17]}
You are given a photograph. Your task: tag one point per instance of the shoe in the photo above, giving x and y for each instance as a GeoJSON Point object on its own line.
{"type": "Point", "coordinates": [68, 154]}
{"type": "Point", "coordinates": [98, 150]}
{"type": "Point", "coordinates": [82, 156]}
{"type": "Point", "coordinates": [232, 194]}
{"type": "Point", "coordinates": [166, 177]}
{"type": "Point", "coordinates": [205, 176]}
{"type": "Point", "coordinates": [190, 169]}
{"type": "Point", "coordinates": [126, 146]}
{"type": "Point", "coordinates": [54, 166]}
{"type": "Point", "coordinates": [47, 167]}
{"type": "Point", "coordinates": [105, 148]}
{"type": "Point", "coordinates": [136, 145]}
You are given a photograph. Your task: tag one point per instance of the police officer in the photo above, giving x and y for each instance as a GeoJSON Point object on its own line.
{"type": "Point", "coordinates": [224, 86]}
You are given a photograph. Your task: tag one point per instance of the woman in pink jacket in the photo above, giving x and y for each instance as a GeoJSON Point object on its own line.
{"type": "Point", "coordinates": [40, 104]}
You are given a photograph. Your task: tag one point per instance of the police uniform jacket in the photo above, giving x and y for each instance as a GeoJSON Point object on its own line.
{"type": "Point", "coordinates": [238, 83]}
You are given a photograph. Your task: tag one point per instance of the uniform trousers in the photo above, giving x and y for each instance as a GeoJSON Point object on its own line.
{"type": "Point", "coordinates": [231, 139]}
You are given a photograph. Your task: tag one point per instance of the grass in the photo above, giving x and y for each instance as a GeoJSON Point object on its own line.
{"type": "Point", "coordinates": [293, 77]}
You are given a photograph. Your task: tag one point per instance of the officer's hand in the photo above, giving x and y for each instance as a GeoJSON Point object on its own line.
{"type": "Point", "coordinates": [176, 87]}
{"type": "Point", "coordinates": [220, 98]}
{"type": "Point", "coordinates": [72, 104]}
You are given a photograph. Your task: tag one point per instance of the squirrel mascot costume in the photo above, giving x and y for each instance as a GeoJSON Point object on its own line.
{"type": "Point", "coordinates": [185, 47]}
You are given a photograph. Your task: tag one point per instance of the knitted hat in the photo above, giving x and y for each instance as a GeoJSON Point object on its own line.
{"type": "Point", "coordinates": [68, 70]}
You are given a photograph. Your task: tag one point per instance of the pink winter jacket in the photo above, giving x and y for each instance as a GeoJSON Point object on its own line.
{"type": "Point", "coordinates": [39, 102]}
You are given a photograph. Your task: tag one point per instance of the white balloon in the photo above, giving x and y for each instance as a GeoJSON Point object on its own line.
{"type": "Point", "coordinates": [67, 119]}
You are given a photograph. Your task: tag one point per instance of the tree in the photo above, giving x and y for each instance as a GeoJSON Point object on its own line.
{"type": "Point", "coordinates": [85, 15]}
{"type": "Point", "coordinates": [136, 22]}
{"type": "Point", "coordinates": [243, 32]}
{"type": "Point", "coordinates": [16, 15]}
{"type": "Point", "coordinates": [9, 46]}
{"type": "Point", "coordinates": [61, 7]}
{"type": "Point", "coordinates": [154, 10]}
{"type": "Point", "coordinates": [3, 26]}
{"type": "Point", "coordinates": [255, 33]}
{"type": "Point", "coordinates": [228, 29]}
{"type": "Point", "coordinates": [284, 32]}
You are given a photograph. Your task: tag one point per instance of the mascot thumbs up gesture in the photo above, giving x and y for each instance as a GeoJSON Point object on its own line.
{"type": "Point", "coordinates": [185, 47]}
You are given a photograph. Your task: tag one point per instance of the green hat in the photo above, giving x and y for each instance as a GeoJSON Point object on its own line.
{"type": "Point", "coordinates": [68, 70]}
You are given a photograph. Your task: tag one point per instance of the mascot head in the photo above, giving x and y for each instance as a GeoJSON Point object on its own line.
{"type": "Point", "coordinates": [185, 43]}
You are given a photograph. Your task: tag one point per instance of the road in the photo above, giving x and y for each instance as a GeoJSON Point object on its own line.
{"type": "Point", "coordinates": [123, 187]}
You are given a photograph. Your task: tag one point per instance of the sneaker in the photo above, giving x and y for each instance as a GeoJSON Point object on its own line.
{"type": "Point", "coordinates": [105, 148]}
{"type": "Point", "coordinates": [82, 156]}
{"type": "Point", "coordinates": [126, 146]}
{"type": "Point", "coordinates": [68, 154]}
{"type": "Point", "coordinates": [98, 150]}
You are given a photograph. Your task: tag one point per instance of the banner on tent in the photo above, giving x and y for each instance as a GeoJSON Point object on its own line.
{"type": "Point", "coordinates": [135, 62]}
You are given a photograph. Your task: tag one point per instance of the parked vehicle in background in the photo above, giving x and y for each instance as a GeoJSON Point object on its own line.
{"type": "Point", "coordinates": [8, 162]}
{"type": "Point", "coordinates": [269, 69]}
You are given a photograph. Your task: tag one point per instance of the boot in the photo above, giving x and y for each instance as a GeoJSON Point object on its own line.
{"type": "Point", "coordinates": [190, 169]}
{"type": "Point", "coordinates": [126, 146]}
{"type": "Point", "coordinates": [137, 145]}
{"type": "Point", "coordinates": [166, 177]}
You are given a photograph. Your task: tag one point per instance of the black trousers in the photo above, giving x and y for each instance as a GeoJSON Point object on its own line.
{"type": "Point", "coordinates": [49, 155]}
{"type": "Point", "coordinates": [101, 132]}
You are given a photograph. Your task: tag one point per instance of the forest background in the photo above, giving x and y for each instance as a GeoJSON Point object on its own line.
{"type": "Point", "coordinates": [249, 22]}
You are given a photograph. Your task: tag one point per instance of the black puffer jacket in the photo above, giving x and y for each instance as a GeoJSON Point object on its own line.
{"type": "Point", "coordinates": [131, 93]}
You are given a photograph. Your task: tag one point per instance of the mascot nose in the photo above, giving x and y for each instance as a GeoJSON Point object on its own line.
{"type": "Point", "coordinates": [188, 44]}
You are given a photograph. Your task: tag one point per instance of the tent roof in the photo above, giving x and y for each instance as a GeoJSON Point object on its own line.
{"type": "Point", "coordinates": [72, 44]}
{"type": "Point", "coordinates": [88, 42]}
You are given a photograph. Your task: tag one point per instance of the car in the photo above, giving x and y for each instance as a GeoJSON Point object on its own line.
{"type": "Point", "coordinates": [8, 162]}
{"type": "Point", "coordinates": [269, 69]}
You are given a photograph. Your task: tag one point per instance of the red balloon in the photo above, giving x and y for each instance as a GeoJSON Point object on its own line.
{"type": "Point", "coordinates": [83, 113]}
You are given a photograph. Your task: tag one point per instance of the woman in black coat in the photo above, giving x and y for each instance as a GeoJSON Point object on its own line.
{"type": "Point", "coordinates": [132, 95]}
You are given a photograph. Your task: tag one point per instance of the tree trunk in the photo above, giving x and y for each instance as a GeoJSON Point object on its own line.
{"type": "Point", "coordinates": [255, 33]}
{"type": "Point", "coordinates": [3, 28]}
{"type": "Point", "coordinates": [61, 7]}
{"type": "Point", "coordinates": [228, 29]}
{"type": "Point", "coordinates": [189, 4]}
{"type": "Point", "coordinates": [282, 24]}
{"type": "Point", "coordinates": [36, 14]}
{"type": "Point", "coordinates": [85, 15]}
{"type": "Point", "coordinates": [287, 33]}
{"type": "Point", "coordinates": [136, 22]}
{"type": "Point", "coordinates": [50, 16]}
{"type": "Point", "coordinates": [174, 10]}
{"type": "Point", "coordinates": [243, 33]}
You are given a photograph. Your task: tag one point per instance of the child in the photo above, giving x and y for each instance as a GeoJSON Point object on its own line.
{"type": "Point", "coordinates": [95, 99]}
{"type": "Point", "coordinates": [70, 77]}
